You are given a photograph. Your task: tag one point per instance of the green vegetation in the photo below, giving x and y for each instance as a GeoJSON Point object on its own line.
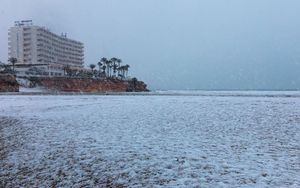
{"type": "Point", "coordinates": [4, 68]}
{"type": "Point", "coordinates": [105, 69]}
{"type": "Point", "coordinates": [110, 68]}
{"type": "Point", "coordinates": [13, 61]}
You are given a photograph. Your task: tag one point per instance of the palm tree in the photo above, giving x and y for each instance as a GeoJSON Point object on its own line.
{"type": "Point", "coordinates": [119, 61]}
{"type": "Point", "coordinates": [126, 67]}
{"type": "Point", "coordinates": [92, 66]}
{"type": "Point", "coordinates": [113, 59]}
{"type": "Point", "coordinates": [112, 67]}
{"type": "Point", "coordinates": [99, 65]}
{"type": "Point", "coordinates": [115, 67]}
{"type": "Point", "coordinates": [121, 71]}
{"type": "Point", "coordinates": [13, 61]}
{"type": "Point", "coordinates": [114, 64]}
{"type": "Point", "coordinates": [103, 59]}
{"type": "Point", "coordinates": [103, 68]}
{"type": "Point", "coordinates": [108, 66]}
{"type": "Point", "coordinates": [103, 62]}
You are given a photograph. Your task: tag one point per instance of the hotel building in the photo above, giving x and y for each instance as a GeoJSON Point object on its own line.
{"type": "Point", "coordinates": [37, 46]}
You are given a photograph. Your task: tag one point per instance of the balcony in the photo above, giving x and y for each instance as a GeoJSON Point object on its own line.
{"type": "Point", "coordinates": [27, 44]}
{"type": "Point", "coordinates": [27, 39]}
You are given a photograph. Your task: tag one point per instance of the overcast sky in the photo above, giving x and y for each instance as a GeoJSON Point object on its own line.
{"type": "Point", "coordinates": [178, 44]}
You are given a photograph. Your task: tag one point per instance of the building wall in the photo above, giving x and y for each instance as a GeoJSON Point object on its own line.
{"type": "Point", "coordinates": [35, 45]}
{"type": "Point", "coordinates": [16, 44]}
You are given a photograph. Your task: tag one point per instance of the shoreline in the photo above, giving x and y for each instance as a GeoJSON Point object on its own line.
{"type": "Point", "coordinates": [275, 94]}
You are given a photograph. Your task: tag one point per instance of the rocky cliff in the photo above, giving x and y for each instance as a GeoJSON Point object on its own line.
{"type": "Point", "coordinates": [90, 85]}
{"type": "Point", "coordinates": [8, 83]}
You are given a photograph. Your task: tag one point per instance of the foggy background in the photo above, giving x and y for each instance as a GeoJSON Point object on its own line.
{"type": "Point", "coordinates": [178, 44]}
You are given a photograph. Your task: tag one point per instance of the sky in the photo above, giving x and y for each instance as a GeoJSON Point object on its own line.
{"type": "Point", "coordinates": [178, 44]}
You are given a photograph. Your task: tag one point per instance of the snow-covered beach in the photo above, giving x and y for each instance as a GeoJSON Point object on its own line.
{"type": "Point", "coordinates": [184, 140]}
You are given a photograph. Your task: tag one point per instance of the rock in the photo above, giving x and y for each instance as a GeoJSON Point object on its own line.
{"type": "Point", "coordinates": [8, 83]}
{"type": "Point", "coordinates": [89, 85]}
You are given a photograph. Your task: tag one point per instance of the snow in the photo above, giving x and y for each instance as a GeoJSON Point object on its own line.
{"type": "Point", "coordinates": [150, 141]}
{"type": "Point", "coordinates": [32, 90]}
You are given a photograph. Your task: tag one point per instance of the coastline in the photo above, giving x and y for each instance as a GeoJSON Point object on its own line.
{"type": "Point", "coordinates": [275, 94]}
{"type": "Point", "coordinates": [53, 85]}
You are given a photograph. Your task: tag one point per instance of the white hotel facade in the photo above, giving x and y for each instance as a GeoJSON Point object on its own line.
{"type": "Point", "coordinates": [36, 46]}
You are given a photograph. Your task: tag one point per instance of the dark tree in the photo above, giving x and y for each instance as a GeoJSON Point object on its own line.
{"type": "Point", "coordinates": [92, 66]}
{"type": "Point", "coordinates": [13, 61]}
